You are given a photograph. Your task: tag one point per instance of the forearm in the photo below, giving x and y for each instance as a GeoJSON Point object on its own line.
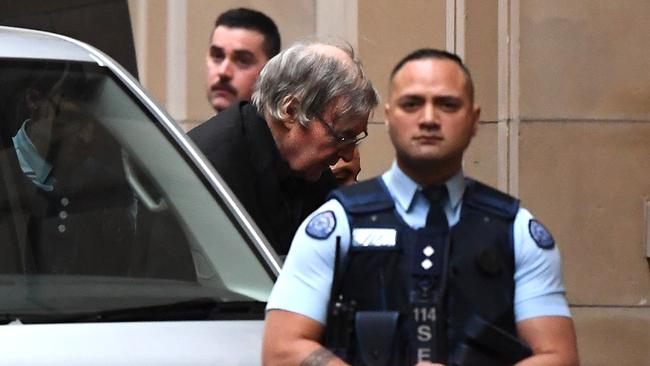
{"type": "Point", "coordinates": [322, 357]}
{"type": "Point", "coordinates": [300, 353]}
{"type": "Point", "coordinates": [293, 340]}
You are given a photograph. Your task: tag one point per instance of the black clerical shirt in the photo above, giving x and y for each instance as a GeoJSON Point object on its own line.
{"type": "Point", "coordinates": [238, 142]}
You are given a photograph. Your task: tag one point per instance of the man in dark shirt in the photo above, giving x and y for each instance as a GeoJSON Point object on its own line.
{"type": "Point", "coordinates": [310, 107]}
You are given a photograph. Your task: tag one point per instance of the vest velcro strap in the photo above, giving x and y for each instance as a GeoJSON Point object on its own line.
{"type": "Point", "coordinates": [376, 333]}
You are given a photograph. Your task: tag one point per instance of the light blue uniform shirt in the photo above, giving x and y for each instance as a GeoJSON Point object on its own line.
{"type": "Point", "coordinates": [306, 278]}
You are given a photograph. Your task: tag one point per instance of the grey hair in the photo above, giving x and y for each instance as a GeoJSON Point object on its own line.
{"type": "Point", "coordinates": [316, 80]}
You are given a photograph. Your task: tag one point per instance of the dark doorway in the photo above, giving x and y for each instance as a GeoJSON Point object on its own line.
{"type": "Point", "coordinates": [105, 24]}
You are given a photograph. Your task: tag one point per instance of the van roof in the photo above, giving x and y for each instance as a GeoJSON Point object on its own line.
{"type": "Point", "coordinates": [33, 44]}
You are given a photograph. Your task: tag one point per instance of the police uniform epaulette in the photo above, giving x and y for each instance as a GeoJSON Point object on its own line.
{"type": "Point", "coordinates": [363, 197]}
{"type": "Point", "coordinates": [486, 198]}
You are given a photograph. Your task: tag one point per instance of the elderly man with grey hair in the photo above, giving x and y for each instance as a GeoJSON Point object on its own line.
{"type": "Point", "coordinates": [309, 109]}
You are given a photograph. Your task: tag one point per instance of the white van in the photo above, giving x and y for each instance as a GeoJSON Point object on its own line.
{"type": "Point", "coordinates": [119, 243]}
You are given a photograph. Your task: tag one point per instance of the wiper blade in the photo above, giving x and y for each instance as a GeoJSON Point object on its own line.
{"type": "Point", "coordinates": [195, 309]}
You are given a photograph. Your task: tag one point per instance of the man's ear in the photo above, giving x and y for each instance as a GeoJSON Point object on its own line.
{"type": "Point", "coordinates": [289, 111]}
{"type": "Point", "coordinates": [386, 113]}
{"type": "Point", "coordinates": [476, 114]}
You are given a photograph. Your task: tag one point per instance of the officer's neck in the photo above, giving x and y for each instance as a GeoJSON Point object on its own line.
{"type": "Point", "coordinates": [429, 173]}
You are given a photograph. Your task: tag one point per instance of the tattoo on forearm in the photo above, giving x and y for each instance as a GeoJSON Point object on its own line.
{"type": "Point", "coordinates": [319, 357]}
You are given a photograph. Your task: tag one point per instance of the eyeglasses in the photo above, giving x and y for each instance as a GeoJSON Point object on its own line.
{"type": "Point", "coordinates": [343, 140]}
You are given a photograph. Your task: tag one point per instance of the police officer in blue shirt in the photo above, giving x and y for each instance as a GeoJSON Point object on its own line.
{"type": "Point", "coordinates": [422, 265]}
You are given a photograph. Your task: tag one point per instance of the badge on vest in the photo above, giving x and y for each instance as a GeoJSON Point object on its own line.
{"type": "Point", "coordinates": [542, 237]}
{"type": "Point", "coordinates": [374, 237]}
{"type": "Point", "coordinates": [322, 225]}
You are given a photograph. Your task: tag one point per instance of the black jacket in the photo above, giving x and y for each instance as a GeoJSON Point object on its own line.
{"type": "Point", "coordinates": [238, 142]}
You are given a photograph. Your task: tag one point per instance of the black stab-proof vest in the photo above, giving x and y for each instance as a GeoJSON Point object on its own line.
{"type": "Point", "coordinates": [377, 299]}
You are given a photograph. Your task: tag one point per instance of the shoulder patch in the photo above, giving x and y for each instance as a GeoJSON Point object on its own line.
{"type": "Point", "coordinates": [542, 237]}
{"type": "Point", "coordinates": [322, 225]}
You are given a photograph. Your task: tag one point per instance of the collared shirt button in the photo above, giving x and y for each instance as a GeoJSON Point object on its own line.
{"type": "Point", "coordinates": [63, 215]}
{"type": "Point", "coordinates": [65, 201]}
{"type": "Point", "coordinates": [61, 228]}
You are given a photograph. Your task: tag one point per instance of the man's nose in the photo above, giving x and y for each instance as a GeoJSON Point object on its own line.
{"type": "Point", "coordinates": [429, 116]}
{"type": "Point", "coordinates": [428, 113]}
{"type": "Point", "coordinates": [225, 69]}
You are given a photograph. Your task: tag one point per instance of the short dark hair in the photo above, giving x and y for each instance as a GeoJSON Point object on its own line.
{"type": "Point", "coordinates": [427, 53]}
{"type": "Point", "coordinates": [253, 20]}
